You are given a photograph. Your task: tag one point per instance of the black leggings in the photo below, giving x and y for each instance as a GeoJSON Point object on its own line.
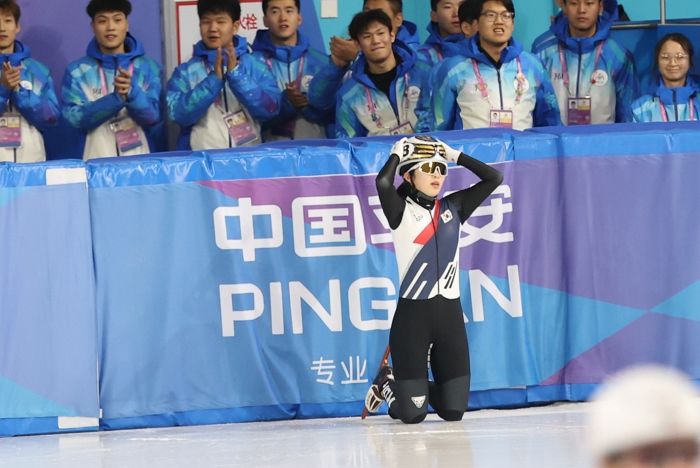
{"type": "Point", "coordinates": [417, 325]}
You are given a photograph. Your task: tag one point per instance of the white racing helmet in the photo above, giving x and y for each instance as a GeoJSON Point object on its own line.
{"type": "Point", "coordinates": [419, 150]}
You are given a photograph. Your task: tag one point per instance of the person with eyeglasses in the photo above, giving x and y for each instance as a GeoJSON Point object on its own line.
{"type": "Point", "coordinates": [496, 83]}
{"type": "Point", "coordinates": [428, 317]}
{"type": "Point", "coordinates": [593, 75]}
{"type": "Point", "coordinates": [676, 97]}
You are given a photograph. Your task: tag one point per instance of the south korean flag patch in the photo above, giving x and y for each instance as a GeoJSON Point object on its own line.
{"type": "Point", "coordinates": [446, 216]}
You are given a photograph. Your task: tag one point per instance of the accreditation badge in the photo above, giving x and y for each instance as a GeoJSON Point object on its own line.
{"type": "Point", "coordinates": [501, 118]}
{"type": "Point", "coordinates": [579, 111]}
{"type": "Point", "coordinates": [240, 128]}
{"type": "Point", "coordinates": [127, 134]}
{"type": "Point", "coordinates": [10, 130]}
{"type": "Point", "coordinates": [403, 129]}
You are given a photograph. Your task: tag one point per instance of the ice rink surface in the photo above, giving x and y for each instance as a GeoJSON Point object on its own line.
{"type": "Point", "coordinates": [542, 437]}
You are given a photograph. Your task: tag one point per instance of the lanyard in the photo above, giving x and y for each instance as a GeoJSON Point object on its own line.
{"type": "Point", "coordinates": [300, 73]}
{"type": "Point", "coordinates": [664, 114]}
{"type": "Point", "coordinates": [484, 88]}
{"type": "Point", "coordinates": [565, 67]}
{"type": "Point", "coordinates": [103, 77]}
{"type": "Point", "coordinates": [373, 107]}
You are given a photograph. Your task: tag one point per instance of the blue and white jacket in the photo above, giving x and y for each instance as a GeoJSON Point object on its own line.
{"type": "Point", "coordinates": [284, 62]}
{"type": "Point", "coordinates": [34, 100]}
{"type": "Point", "coordinates": [598, 67]}
{"type": "Point", "coordinates": [327, 82]}
{"type": "Point", "coordinates": [408, 35]}
{"type": "Point", "coordinates": [363, 110]}
{"type": "Point", "coordinates": [436, 48]}
{"type": "Point", "coordinates": [197, 99]}
{"type": "Point", "coordinates": [433, 52]}
{"type": "Point", "coordinates": [91, 104]}
{"type": "Point", "coordinates": [457, 101]}
{"type": "Point", "coordinates": [669, 104]}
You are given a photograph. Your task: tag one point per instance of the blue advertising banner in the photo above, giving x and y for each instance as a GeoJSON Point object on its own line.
{"type": "Point", "coordinates": [245, 285]}
{"type": "Point", "coordinates": [254, 284]}
{"type": "Point", "coordinates": [48, 350]}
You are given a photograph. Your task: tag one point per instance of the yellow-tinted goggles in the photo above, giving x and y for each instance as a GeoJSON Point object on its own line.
{"type": "Point", "coordinates": [433, 167]}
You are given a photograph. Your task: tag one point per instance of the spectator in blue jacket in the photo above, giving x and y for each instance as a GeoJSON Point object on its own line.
{"type": "Point", "coordinates": [344, 52]}
{"type": "Point", "coordinates": [288, 55]}
{"type": "Point", "coordinates": [28, 103]}
{"type": "Point", "coordinates": [498, 85]}
{"type": "Point", "coordinates": [592, 74]}
{"type": "Point", "coordinates": [446, 38]}
{"type": "Point", "coordinates": [406, 31]}
{"type": "Point", "coordinates": [221, 95]}
{"type": "Point", "coordinates": [113, 93]}
{"type": "Point", "coordinates": [676, 97]}
{"type": "Point", "coordinates": [469, 25]}
{"type": "Point", "coordinates": [381, 96]}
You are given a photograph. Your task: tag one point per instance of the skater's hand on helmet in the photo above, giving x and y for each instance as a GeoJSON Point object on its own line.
{"type": "Point", "coordinates": [401, 149]}
{"type": "Point", "coordinates": [423, 147]}
{"type": "Point", "coordinates": [450, 153]}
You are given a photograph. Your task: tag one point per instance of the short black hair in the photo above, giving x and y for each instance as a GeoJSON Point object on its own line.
{"type": "Point", "coordinates": [230, 7]}
{"type": "Point", "coordinates": [679, 38]}
{"type": "Point", "coordinates": [12, 7]}
{"type": "Point", "coordinates": [396, 5]}
{"type": "Point", "coordinates": [468, 12]}
{"type": "Point", "coordinates": [434, 4]}
{"type": "Point", "coordinates": [361, 21]}
{"type": "Point", "coordinates": [265, 3]}
{"type": "Point", "coordinates": [507, 4]}
{"type": "Point", "coordinates": [99, 6]}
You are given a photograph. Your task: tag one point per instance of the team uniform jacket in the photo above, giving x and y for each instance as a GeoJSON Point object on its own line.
{"type": "Point", "coordinates": [598, 67]}
{"type": "Point", "coordinates": [34, 100]}
{"type": "Point", "coordinates": [198, 100]}
{"type": "Point", "coordinates": [292, 64]}
{"type": "Point", "coordinates": [325, 85]}
{"type": "Point", "coordinates": [433, 52]}
{"type": "Point", "coordinates": [668, 104]}
{"type": "Point", "coordinates": [91, 104]}
{"type": "Point", "coordinates": [408, 35]}
{"type": "Point", "coordinates": [437, 48]}
{"type": "Point", "coordinates": [363, 110]}
{"type": "Point", "coordinates": [426, 241]}
{"type": "Point", "coordinates": [458, 101]}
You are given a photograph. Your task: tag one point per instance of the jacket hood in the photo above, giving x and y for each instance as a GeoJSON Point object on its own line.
{"type": "Point", "coordinates": [15, 58]}
{"type": "Point", "coordinates": [451, 45]}
{"type": "Point", "coordinates": [113, 61]}
{"type": "Point", "coordinates": [682, 94]}
{"type": "Point", "coordinates": [560, 29]}
{"type": "Point", "coordinates": [510, 53]}
{"type": "Point", "coordinates": [408, 34]}
{"type": "Point", "coordinates": [407, 58]}
{"type": "Point", "coordinates": [287, 54]}
{"type": "Point", "coordinates": [240, 44]}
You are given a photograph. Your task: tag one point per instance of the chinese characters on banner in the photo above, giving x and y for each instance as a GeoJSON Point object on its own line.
{"type": "Point", "coordinates": [338, 226]}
